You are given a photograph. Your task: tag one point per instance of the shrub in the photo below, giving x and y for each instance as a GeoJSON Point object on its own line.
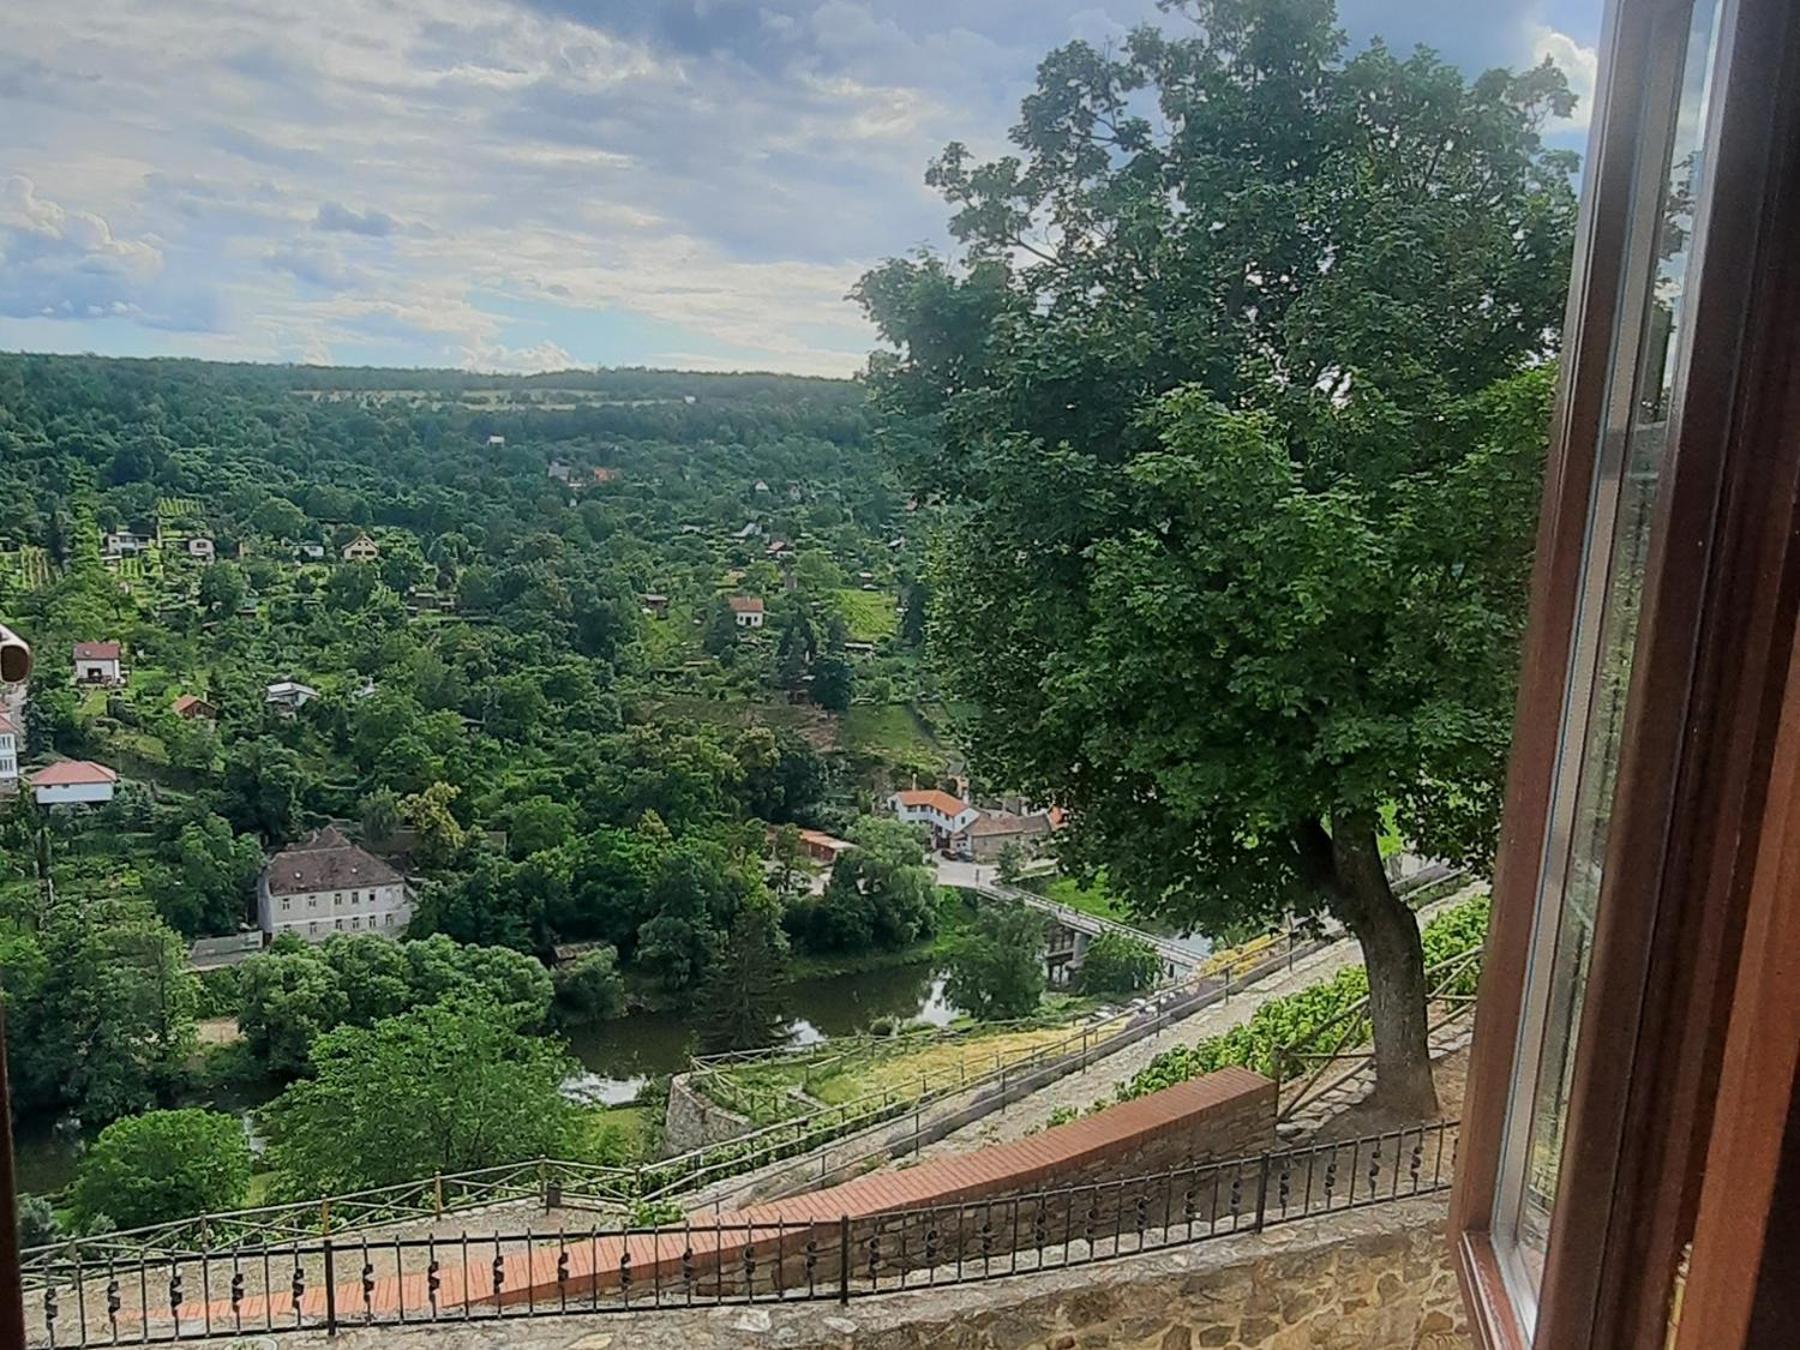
{"type": "Point", "coordinates": [163, 1165]}
{"type": "Point", "coordinates": [1116, 964]}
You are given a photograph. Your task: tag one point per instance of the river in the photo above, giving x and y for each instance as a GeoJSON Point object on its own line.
{"type": "Point", "coordinates": [617, 1057]}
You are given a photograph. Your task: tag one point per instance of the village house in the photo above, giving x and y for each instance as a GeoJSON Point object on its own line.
{"type": "Point", "coordinates": [558, 470]}
{"type": "Point", "coordinates": [656, 605]}
{"type": "Point", "coordinates": [996, 829]}
{"type": "Point", "coordinates": [325, 885]}
{"type": "Point", "coordinates": [496, 440]}
{"type": "Point", "coordinates": [308, 550]}
{"type": "Point", "coordinates": [602, 474]}
{"type": "Point", "coordinates": [747, 610]}
{"type": "Point", "coordinates": [361, 549]}
{"type": "Point", "coordinates": [822, 847]}
{"type": "Point", "coordinates": [98, 663]}
{"type": "Point", "coordinates": [9, 756]}
{"type": "Point", "coordinates": [287, 697]}
{"type": "Point", "coordinates": [73, 782]}
{"type": "Point", "coordinates": [191, 707]}
{"type": "Point", "coordinates": [125, 544]}
{"type": "Point", "coordinates": [947, 817]}
{"type": "Point", "coordinates": [200, 548]}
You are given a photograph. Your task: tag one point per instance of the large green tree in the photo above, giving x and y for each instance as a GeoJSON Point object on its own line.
{"type": "Point", "coordinates": [740, 1003]}
{"type": "Point", "coordinates": [443, 1088]}
{"type": "Point", "coordinates": [163, 1165]}
{"type": "Point", "coordinates": [1236, 398]}
{"type": "Point", "coordinates": [100, 1010]}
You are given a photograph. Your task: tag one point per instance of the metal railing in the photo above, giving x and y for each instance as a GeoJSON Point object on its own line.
{"type": "Point", "coordinates": [328, 1284]}
{"type": "Point", "coordinates": [1343, 1042]}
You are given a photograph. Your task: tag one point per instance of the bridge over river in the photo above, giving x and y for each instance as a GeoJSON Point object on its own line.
{"type": "Point", "coordinates": [1072, 929]}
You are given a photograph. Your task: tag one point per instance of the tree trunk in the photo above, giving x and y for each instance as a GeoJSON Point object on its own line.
{"type": "Point", "coordinates": [1394, 956]}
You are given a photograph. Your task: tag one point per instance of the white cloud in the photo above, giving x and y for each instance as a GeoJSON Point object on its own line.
{"type": "Point", "coordinates": [462, 181]}
{"type": "Point", "coordinates": [1580, 64]}
{"type": "Point", "coordinates": [517, 360]}
{"type": "Point", "coordinates": [62, 263]}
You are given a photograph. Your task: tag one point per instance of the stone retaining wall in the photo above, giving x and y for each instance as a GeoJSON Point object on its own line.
{"type": "Point", "coordinates": [693, 1121]}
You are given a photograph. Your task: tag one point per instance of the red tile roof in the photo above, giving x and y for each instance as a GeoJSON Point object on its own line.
{"type": "Point", "coordinates": [73, 773]}
{"type": "Point", "coordinates": [933, 798]}
{"type": "Point", "coordinates": [96, 651]}
{"type": "Point", "coordinates": [7, 726]}
{"type": "Point", "coordinates": [192, 704]}
{"type": "Point", "coordinates": [746, 604]}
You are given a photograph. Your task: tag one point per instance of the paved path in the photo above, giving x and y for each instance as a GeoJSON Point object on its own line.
{"type": "Point", "coordinates": [1081, 1090]}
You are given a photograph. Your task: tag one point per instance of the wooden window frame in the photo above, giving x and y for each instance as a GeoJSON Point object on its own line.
{"type": "Point", "coordinates": [1708, 682]}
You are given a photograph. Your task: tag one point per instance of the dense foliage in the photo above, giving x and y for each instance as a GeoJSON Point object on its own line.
{"type": "Point", "coordinates": [443, 1088]}
{"type": "Point", "coordinates": [1118, 965]}
{"type": "Point", "coordinates": [997, 965]}
{"type": "Point", "coordinates": [293, 994]}
{"type": "Point", "coordinates": [1237, 398]}
{"type": "Point", "coordinates": [160, 1166]}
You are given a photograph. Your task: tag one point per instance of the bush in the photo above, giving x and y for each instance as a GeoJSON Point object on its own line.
{"type": "Point", "coordinates": [163, 1165]}
{"type": "Point", "coordinates": [589, 988]}
{"type": "Point", "coordinates": [1118, 965]}
{"type": "Point", "coordinates": [221, 993]}
{"type": "Point", "coordinates": [37, 1221]}
{"type": "Point", "coordinates": [997, 967]}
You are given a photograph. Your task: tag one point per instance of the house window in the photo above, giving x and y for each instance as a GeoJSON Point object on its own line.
{"type": "Point", "coordinates": [355, 922]}
{"type": "Point", "coordinates": [1650, 333]}
{"type": "Point", "coordinates": [337, 925]}
{"type": "Point", "coordinates": [285, 902]}
{"type": "Point", "coordinates": [312, 929]}
{"type": "Point", "coordinates": [388, 919]}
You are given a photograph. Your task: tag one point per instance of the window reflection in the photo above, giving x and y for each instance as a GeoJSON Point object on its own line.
{"type": "Point", "coordinates": [1626, 481]}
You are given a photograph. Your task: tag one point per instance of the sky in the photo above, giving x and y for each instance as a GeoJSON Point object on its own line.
{"type": "Point", "coordinates": [534, 184]}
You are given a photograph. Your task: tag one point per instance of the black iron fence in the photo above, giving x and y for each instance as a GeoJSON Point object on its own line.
{"type": "Point", "coordinates": [800, 1251]}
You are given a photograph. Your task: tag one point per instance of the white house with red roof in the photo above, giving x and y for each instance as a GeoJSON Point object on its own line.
{"type": "Point", "coordinates": [98, 663]}
{"type": "Point", "coordinates": [74, 782]}
{"type": "Point", "coordinates": [948, 817]}
{"type": "Point", "coordinates": [9, 755]}
{"type": "Point", "coordinates": [747, 610]}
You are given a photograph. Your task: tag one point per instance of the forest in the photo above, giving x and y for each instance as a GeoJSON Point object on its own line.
{"type": "Point", "coordinates": [536, 700]}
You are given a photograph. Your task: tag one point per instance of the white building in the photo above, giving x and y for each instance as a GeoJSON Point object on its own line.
{"type": "Point", "coordinates": [125, 544]}
{"type": "Point", "coordinates": [74, 782]}
{"type": "Point", "coordinates": [747, 610]}
{"type": "Point", "coordinates": [289, 696]}
{"type": "Point", "coordinates": [9, 755]}
{"type": "Point", "coordinates": [325, 885]}
{"type": "Point", "coordinates": [948, 817]}
{"type": "Point", "coordinates": [361, 549]}
{"type": "Point", "coordinates": [98, 663]}
{"type": "Point", "coordinates": [200, 548]}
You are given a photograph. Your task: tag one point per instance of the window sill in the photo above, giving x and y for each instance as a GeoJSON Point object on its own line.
{"type": "Point", "coordinates": [1493, 1320]}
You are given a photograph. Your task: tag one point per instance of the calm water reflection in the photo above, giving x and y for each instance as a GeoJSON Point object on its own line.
{"type": "Point", "coordinates": [619, 1057]}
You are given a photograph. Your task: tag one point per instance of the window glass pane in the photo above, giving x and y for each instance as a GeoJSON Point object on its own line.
{"type": "Point", "coordinates": [1629, 470]}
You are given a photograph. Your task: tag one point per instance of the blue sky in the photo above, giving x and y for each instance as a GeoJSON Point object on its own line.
{"type": "Point", "coordinates": [532, 184]}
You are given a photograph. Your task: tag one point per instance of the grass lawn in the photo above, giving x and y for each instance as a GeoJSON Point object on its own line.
{"type": "Point", "coordinates": [869, 615]}
{"type": "Point", "coordinates": [906, 1068]}
{"type": "Point", "coordinates": [891, 732]}
{"type": "Point", "coordinates": [614, 1135]}
{"type": "Point", "coordinates": [1095, 899]}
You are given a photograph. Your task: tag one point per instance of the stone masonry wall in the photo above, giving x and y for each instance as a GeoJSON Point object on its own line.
{"type": "Point", "coordinates": [692, 1121]}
